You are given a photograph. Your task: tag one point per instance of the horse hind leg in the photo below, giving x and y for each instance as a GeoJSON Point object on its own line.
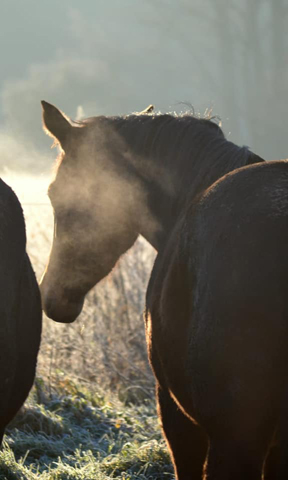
{"type": "Point", "coordinates": [238, 445]}
{"type": "Point", "coordinates": [229, 460]}
{"type": "Point", "coordinates": [187, 442]}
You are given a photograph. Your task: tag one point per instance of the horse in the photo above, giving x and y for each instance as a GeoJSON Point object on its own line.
{"type": "Point", "coordinates": [217, 328]}
{"type": "Point", "coordinates": [118, 177]}
{"type": "Point", "coordinates": [21, 311]}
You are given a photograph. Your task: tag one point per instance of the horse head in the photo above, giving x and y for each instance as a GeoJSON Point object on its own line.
{"type": "Point", "coordinates": [94, 215]}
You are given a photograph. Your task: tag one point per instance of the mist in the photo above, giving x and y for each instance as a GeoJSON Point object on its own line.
{"type": "Point", "coordinates": [119, 58]}
{"type": "Point", "coordinates": [96, 58]}
{"type": "Point", "coordinates": [111, 58]}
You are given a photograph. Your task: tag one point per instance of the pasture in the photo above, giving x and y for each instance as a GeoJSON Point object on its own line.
{"type": "Point", "coordinates": [71, 432]}
{"type": "Point", "coordinates": [91, 414]}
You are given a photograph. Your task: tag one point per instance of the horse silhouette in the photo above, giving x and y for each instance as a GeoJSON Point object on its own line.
{"type": "Point", "coordinates": [21, 315]}
{"type": "Point", "coordinates": [116, 178]}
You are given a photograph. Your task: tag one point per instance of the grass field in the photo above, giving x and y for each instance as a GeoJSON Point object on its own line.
{"type": "Point", "coordinates": [73, 432]}
{"type": "Point", "coordinates": [91, 413]}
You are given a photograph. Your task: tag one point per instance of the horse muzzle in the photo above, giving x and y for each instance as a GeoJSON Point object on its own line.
{"type": "Point", "coordinates": [64, 311]}
{"type": "Point", "coordinates": [61, 308]}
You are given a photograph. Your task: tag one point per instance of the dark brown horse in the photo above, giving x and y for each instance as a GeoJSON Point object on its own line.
{"type": "Point", "coordinates": [119, 177]}
{"type": "Point", "coordinates": [217, 329]}
{"type": "Point", "coordinates": [21, 315]}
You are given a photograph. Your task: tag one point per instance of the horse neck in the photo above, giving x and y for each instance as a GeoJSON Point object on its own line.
{"type": "Point", "coordinates": [169, 188]}
{"type": "Point", "coordinates": [160, 215]}
{"type": "Point", "coordinates": [170, 161]}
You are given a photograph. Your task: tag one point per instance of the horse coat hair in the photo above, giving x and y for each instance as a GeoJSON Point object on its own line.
{"type": "Point", "coordinates": [217, 329]}
{"type": "Point", "coordinates": [20, 307]}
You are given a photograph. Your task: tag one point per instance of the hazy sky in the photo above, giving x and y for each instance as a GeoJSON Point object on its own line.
{"type": "Point", "coordinates": [112, 57]}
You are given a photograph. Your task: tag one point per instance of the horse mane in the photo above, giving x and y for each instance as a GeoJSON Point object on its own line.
{"type": "Point", "coordinates": [193, 148]}
{"type": "Point", "coordinates": [169, 135]}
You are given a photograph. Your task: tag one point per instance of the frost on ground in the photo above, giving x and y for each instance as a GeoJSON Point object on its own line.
{"type": "Point", "coordinates": [76, 433]}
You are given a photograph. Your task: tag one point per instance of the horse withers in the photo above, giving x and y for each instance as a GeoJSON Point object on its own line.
{"type": "Point", "coordinates": [21, 315]}
{"type": "Point", "coordinates": [116, 178]}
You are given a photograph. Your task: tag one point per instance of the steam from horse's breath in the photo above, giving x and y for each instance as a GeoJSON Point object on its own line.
{"type": "Point", "coordinates": [103, 205]}
{"type": "Point", "coordinates": [95, 171]}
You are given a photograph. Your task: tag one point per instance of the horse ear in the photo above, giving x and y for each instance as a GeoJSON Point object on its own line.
{"type": "Point", "coordinates": [55, 123]}
{"type": "Point", "coordinates": [148, 109]}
